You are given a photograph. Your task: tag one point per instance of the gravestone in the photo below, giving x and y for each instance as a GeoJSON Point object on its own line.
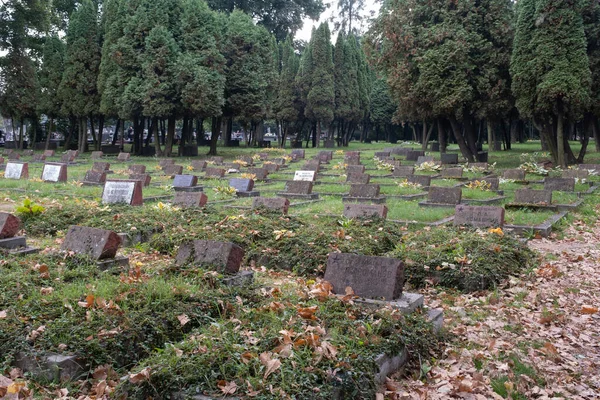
{"type": "Point", "coordinates": [482, 165]}
{"type": "Point", "coordinates": [590, 167]}
{"type": "Point", "coordinates": [423, 180]}
{"type": "Point", "coordinates": [271, 167]}
{"type": "Point", "coordinates": [214, 172]}
{"type": "Point", "coordinates": [413, 155]}
{"type": "Point", "coordinates": [279, 161]}
{"type": "Point", "coordinates": [382, 154]}
{"type": "Point", "coordinates": [198, 165]}
{"type": "Point", "coordinates": [576, 173]}
{"type": "Point", "coordinates": [311, 166]}
{"type": "Point", "coordinates": [355, 169]}
{"type": "Point", "coordinates": [452, 173]}
{"type": "Point", "coordinates": [478, 216]}
{"type": "Point", "coordinates": [329, 144]}
{"type": "Point", "coordinates": [400, 151]}
{"type": "Point", "coordinates": [247, 159]}
{"type": "Point", "coordinates": [352, 210]}
{"type": "Point", "coordinates": [49, 153]}
{"type": "Point", "coordinates": [482, 156]}
{"type": "Point", "coordinates": [96, 243]}
{"type": "Point", "coordinates": [186, 183]}
{"type": "Point", "coordinates": [67, 158]}
{"type": "Point", "coordinates": [364, 193]}
{"type": "Point", "coordinates": [449, 158]}
{"type": "Point", "coordinates": [172, 170]}
{"type": "Point", "coordinates": [494, 182]}
{"type": "Point", "coordinates": [124, 157]}
{"type": "Point", "coordinates": [559, 184]}
{"type": "Point", "coordinates": [368, 276]}
{"type": "Point", "coordinates": [352, 159]}
{"type": "Point", "coordinates": [137, 169]}
{"type": "Point", "coordinates": [14, 156]}
{"type": "Point", "coordinates": [514, 174]}
{"type": "Point", "coordinates": [16, 170]}
{"type": "Point", "coordinates": [243, 187]}
{"type": "Point", "coordinates": [435, 146]}
{"type": "Point", "coordinates": [123, 191]}
{"type": "Point", "coordinates": [533, 197]}
{"type": "Point", "coordinates": [424, 159]}
{"type": "Point", "coordinates": [101, 166]}
{"type": "Point", "coordinates": [299, 190]}
{"type": "Point", "coordinates": [263, 156]}
{"type": "Point", "coordinates": [272, 203]}
{"type": "Point", "coordinates": [403, 170]}
{"type": "Point", "coordinates": [231, 165]}
{"type": "Point", "coordinates": [144, 178]}
{"type": "Point", "coordinates": [299, 153]}
{"type": "Point", "coordinates": [358, 178]}
{"type": "Point", "coordinates": [217, 160]}
{"type": "Point", "coordinates": [54, 172]}
{"type": "Point", "coordinates": [304, 176]}
{"type": "Point", "coordinates": [38, 158]}
{"type": "Point", "coordinates": [190, 199]}
{"type": "Point", "coordinates": [7, 151]}
{"type": "Point", "coordinates": [223, 257]}
{"type": "Point", "coordinates": [1, 160]}
{"type": "Point", "coordinates": [9, 225]}
{"type": "Point", "coordinates": [444, 195]}
{"type": "Point", "coordinates": [260, 173]}
{"type": "Point", "coordinates": [93, 177]}
{"type": "Point", "coordinates": [165, 161]}
{"type": "Point", "coordinates": [96, 155]}
{"type": "Point", "coordinates": [325, 156]}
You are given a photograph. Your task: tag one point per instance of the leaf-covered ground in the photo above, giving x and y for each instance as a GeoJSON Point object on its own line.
{"type": "Point", "coordinates": [536, 337]}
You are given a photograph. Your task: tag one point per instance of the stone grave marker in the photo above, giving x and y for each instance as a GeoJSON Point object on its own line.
{"type": "Point", "coordinates": [299, 190]}
{"type": "Point", "coordinates": [137, 169]}
{"type": "Point", "coordinates": [198, 165]}
{"type": "Point", "coordinates": [74, 153]}
{"type": "Point", "coordinates": [444, 195]}
{"type": "Point", "coordinates": [9, 225]}
{"type": "Point", "coordinates": [48, 153]}
{"type": "Point", "coordinates": [243, 187]}
{"type": "Point", "coordinates": [231, 165]}
{"type": "Point", "coordinates": [1, 160]}
{"type": "Point", "coordinates": [6, 151]}
{"type": "Point", "coordinates": [144, 178]}
{"type": "Point", "coordinates": [54, 172]}
{"type": "Point", "coordinates": [224, 257]}
{"type": "Point", "coordinates": [93, 242]}
{"type": "Point", "coordinates": [190, 199]}
{"type": "Point", "coordinates": [353, 210]}
{"type": "Point", "coordinates": [165, 161]}
{"type": "Point", "coordinates": [96, 155]}
{"type": "Point", "coordinates": [271, 167]}
{"type": "Point", "coordinates": [533, 197]}
{"type": "Point", "coordinates": [217, 160]}
{"type": "Point", "coordinates": [124, 157]}
{"type": "Point", "coordinates": [355, 169]}
{"type": "Point", "coordinates": [260, 173]}
{"type": "Point", "coordinates": [424, 159]}
{"type": "Point", "coordinates": [360, 193]}
{"type": "Point", "coordinates": [304, 176]}
{"type": "Point", "coordinates": [449, 158]}
{"type": "Point", "coordinates": [101, 166]}
{"type": "Point", "coordinates": [9, 241]}
{"type": "Point", "coordinates": [16, 170]}
{"type": "Point", "coordinates": [382, 154]}
{"type": "Point", "coordinates": [279, 161]}
{"type": "Point", "coordinates": [590, 167]}
{"type": "Point", "coordinates": [214, 172]}
{"type": "Point", "coordinates": [482, 165]}
{"type": "Point", "coordinates": [173, 169]}
{"type": "Point", "coordinates": [186, 183]}
{"type": "Point", "coordinates": [494, 182]}
{"type": "Point", "coordinates": [413, 155]}
{"type": "Point", "coordinates": [123, 191]}
{"type": "Point", "coordinates": [298, 152]}
{"type": "Point", "coordinates": [311, 166]}
{"type": "Point", "coordinates": [400, 151]}
{"type": "Point", "coordinates": [576, 173]}
{"type": "Point", "coordinates": [14, 156]}
{"type": "Point", "coordinates": [515, 174]}
{"type": "Point", "coordinates": [272, 203]}
{"type": "Point", "coordinates": [368, 276]}
{"type": "Point", "coordinates": [39, 158]}
{"type": "Point", "coordinates": [247, 159]}
{"type": "Point", "coordinates": [67, 158]}
{"type": "Point", "coordinates": [325, 156]}
{"type": "Point", "coordinates": [423, 180]}
{"type": "Point", "coordinates": [358, 178]}
{"type": "Point", "coordinates": [479, 216]}
{"type": "Point", "coordinates": [93, 177]}
{"type": "Point", "coordinates": [263, 156]}
{"type": "Point", "coordinates": [403, 170]}
{"type": "Point", "coordinates": [352, 159]}
{"type": "Point", "coordinates": [452, 173]}
{"type": "Point", "coordinates": [559, 184]}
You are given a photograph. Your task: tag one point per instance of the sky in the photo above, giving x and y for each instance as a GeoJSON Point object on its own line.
{"type": "Point", "coordinates": [371, 6]}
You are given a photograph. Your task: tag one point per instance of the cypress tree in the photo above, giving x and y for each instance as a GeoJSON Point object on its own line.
{"type": "Point", "coordinates": [286, 105]}
{"type": "Point", "coordinates": [50, 77]}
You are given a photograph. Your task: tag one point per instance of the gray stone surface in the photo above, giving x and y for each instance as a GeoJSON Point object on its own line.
{"type": "Point", "coordinates": [298, 187]}
{"type": "Point", "coordinates": [182, 181]}
{"type": "Point", "coordinates": [223, 257]}
{"type": "Point", "coordinates": [479, 216]}
{"type": "Point", "coordinates": [123, 157]}
{"type": "Point", "coordinates": [559, 184]}
{"type": "Point", "coordinates": [95, 177]}
{"type": "Point", "coordinates": [403, 170]}
{"type": "Point", "coordinates": [494, 182]}
{"type": "Point", "coordinates": [123, 191]}
{"type": "Point", "coordinates": [260, 173]}
{"type": "Point", "coordinates": [272, 203]}
{"type": "Point", "coordinates": [530, 196]}
{"type": "Point", "coordinates": [54, 172]}
{"type": "Point", "coordinates": [303, 175]}
{"type": "Point", "coordinates": [424, 159]}
{"type": "Point", "coordinates": [214, 172]}
{"type": "Point", "coordinates": [368, 190]}
{"type": "Point", "coordinates": [93, 242]}
{"type": "Point", "coordinates": [576, 173]}
{"type": "Point", "coordinates": [100, 166]}
{"type": "Point", "coordinates": [242, 185]}
{"type": "Point", "coordinates": [137, 169]}
{"type": "Point", "coordinates": [16, 170]}
{"type": "Point", "coordinates": [173, 169]}
{"type": "Point", "coordinates": [359, 178]}
{"type": "Point", "coordinates": [423, 180]}
{"type": "Point", "coordinates": [298, 152]}
{"type": "Point", "coordinates": [449, 158]}
{"type": "Point", "coordinates": [444, 195]}
{"type": "Point", "coordinates": [515, 174]}
{"type": "Point", "coordinates": [144, 178]}
{"type": "Point", "coordinates": [9, 225]}
{"type": "Point", "coordinates": [452, 173]}
{"type": "Point", "coordinates": [51, 367]}
{"type": "Point", "coordinates": [352, 210]}
{"type": "Point", "coordinates": [413, 155]}
{"type": "Point", "coordinates": [190, 199]}
{"type": "Point", "coordinates": [198, 165]}
{"type": "Point", "coordinates": [355, 169]}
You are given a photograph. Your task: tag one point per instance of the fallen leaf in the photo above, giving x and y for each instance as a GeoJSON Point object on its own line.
{"type": "Point", "coordinates": [271, 364]}
{"type": "Point", "coordinates": [589, 310]}
{"type": "Point", "coordinates": [183, 319]}
{"type": "Point", "coordinates": [141, 376]}
{"type": "Point", "coordinates": [307, 312]}
{"type": "Point", "coordinates": [227, 387]}
{"type": "Point", "coordinates": [3, 314]}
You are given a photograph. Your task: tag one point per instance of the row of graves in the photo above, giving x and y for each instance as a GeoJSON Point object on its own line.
{"type": "Point", "coordinates": [267, 181]}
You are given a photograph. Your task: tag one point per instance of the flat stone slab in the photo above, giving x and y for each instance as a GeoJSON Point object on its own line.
{"type": "Point", "coordinates": [16, 170]}
{"type": "Point", "coordinates": [272, 203]}
{"type": "Point", "coordinates": [54, 172]}
{"type": "Point", "coordinates": [353, 199]}
{"type": "Point", "coordinates": [224, 257]}
{"type": "Point", "coordinates": [9, 225]}
{"type": "Point", "coordinates": [13, 242]}
{"type": "Point", "coordinates": [364, 211]}
{"type": "Point", "coordinates": [93, 177]}
{"type": "Point", "coordinates": [247, 194]}
{"type": "Point", "coordinates": [241, 278]}
{"type": "Point", "coordinates": [479, 216]}
{"type": "Point", "coordinates": [444, 195]}
{"type": "Point", "coordinates": [109, 263]}
{"type": "Point", "coordinates": [533, 197]}
{"type": "Point", "coordinates": [51, 367]}
{"type": "Point", "coordinates": [190, 199]}
{"type": "Point", "coordinates": [310, 196]}
{"type": "Point", "coordinates": [560, 184]}
{"type": "Point", "coordinates": [137, 169]}
{"type": "Point", "coordinates": [308, 176]}
{"type": "Point", "coordinates": [93, 242]}
{"type": "Point", "coordinates": [123, 191]}
{"type": "Point", "coordinates": [370, 277]}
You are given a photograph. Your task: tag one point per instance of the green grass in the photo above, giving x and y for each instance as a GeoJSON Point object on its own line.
{"type": "Point", "coordinates": [526, 216]}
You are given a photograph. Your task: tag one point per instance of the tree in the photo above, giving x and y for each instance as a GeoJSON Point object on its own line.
{"type": "Point", "coordinates": [382, 107]}
{"type": "Point", "coordinates": [50, 77]}
{"type": "Point", "coordinates": [349, 11]}
{"type": "Point", "coordinates": [550, 69]}
{"type": "Point", "coordinates": [287, 108]}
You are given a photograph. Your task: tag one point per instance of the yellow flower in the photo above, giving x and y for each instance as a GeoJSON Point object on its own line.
{"type": "Point", "coordinates": [497, 231]}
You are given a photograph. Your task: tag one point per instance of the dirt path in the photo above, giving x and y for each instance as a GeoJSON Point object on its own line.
{"type": "Point", "coordinates": [538, 337]}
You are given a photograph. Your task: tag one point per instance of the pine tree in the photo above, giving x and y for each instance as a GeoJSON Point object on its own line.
{"type": "Point", "coordinates": [50, 77]}
{"type": "Point", "coordinates": [287, 108]}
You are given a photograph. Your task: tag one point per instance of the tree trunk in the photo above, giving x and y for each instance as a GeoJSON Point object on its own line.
{"type": "Point", "coordinates": [21, 134]}
{"type": "Point", "coordinates": [560, 139]}
{"type": "Point", "coordinates": [170, 136]}
{"type": "Point", "coordinates": [116, 133]}
{"type": "Point", "coordinates": [200, 131]}
{"type": "Point", "coordinates": [460, 139]}
{"type": "Point", "coordinates": [72, 126]}
{"type": "Point", "coordinates": [48, 134]}
{"type": "Point", "coordinates": [216, 126]}
{"type": "Point", "coordinates": [469, 134]}
{"type": "Point", "coordinates": [490, 135]}
{"type": "Point", "coordinates": [426, 135]}
{"type": "Point", "coordinates": [159, 152]}
{"type": "Point", "coordinates": [93, 130]}
{"type": "Point", "coordinates": [441, 135]}
{"type": "Point", "coordinates": [596, 130]}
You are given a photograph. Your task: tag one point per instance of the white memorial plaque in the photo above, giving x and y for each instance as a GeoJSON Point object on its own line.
{"type": "Point", "coordinates": [13, 170]}
{"type": "Point", "coordinates": [51, 173]}
{"type": "Point", "coordinates": [118, 192]}
{"type": "Point", "coordinates": [304, 176]}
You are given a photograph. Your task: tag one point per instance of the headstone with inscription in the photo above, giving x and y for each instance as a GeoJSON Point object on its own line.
{"type": "Point", "coordinates": [93, 177]}
{"type": "Point", "coordinates": [403, 170]}
{"type": "Point", "coordinates": [186, 183]}
{"type": "Point", "coordinates": [358, 178]}
{"type": "Point", "coordinates": [299, 190]}
{"type": "Point", "coordinates": [163, 162]}
{"type": "Point", "coordinates": [399, 151]}
{"type": "Point", "coordinates": [424, 159]}
{"type": "Point", "coordinates": [355, 169]}
{"type": "Point", "coordinates": [190, 199]}
{"type": "Point", "coordinates": [39, 158]}
{"type": "Point", "coordinates": [443, 196]}
{"type": "Point", "coordinates": [576, 173]}
{"type": "Point", "coordinates": [96, 243]}
{"type": "Point", "coordinates": [493, 181]}
{"type": "Point", "coordinates": [514, 174]}
{"type": "Point", "coordinates": [243, 187]}
{"type": "Point", "coordinates": [298, 152]}
{"type": "Point", "coordinates": [54, 172]}
{"type": "Point", "coordinates": [312, 166]}
{"type": "Point", "coordinates": [223, 257]}
{"type": "Point", "coordinates": [353, 210]}
{"type": "Point", "coordinates": [271, 167]}
{"type": "Point", "coordinates": [16, 170]}
{"type": "Point", "coordinates": [247, 159]}
{"type": "Point", "coordinates": [214, 172]}
{"type": "Point", "coordinates": [123, 191]}
{"type": "Point", "coordinates": [478, 216]}
{"type": "Point", "coordinates": [137, 169]}
{"type": "Point", "coordinates": [352, 159]}
{"type": "Point", "coordinates": [452, 173]}
{"type": "Point", "coordinates": [172, 170]}
{"type": "Point", "coordinates": [413, 155]}
{"type": "Point", "coordinates": [231, 165]}
{"type": "Point", "coordinates": [198, 165]}
{"type": "Point", "coordinates": [217, 160]}
{"type": "Point", "coordinates": [559, 184]}
{"type": "Point", "coordinates": [279, 204]}
{"type": "Point", "coordinates": [533, 197]}
{"type": "Point", "coordinates": [423, 180]}
{"type": "Point", "coordinates": [67, 157]}
{"type": "Point", "coordinates": [364, 193]}
{"type": "Point", "coordinates": [304, 176]}
{"type": "Point", "coordinates": [368, 276]}
{"type": "Point", "coordinates": [261, 174]}
{"type": "Point", "coordinates": [101, 167]}
{"type": "Point", "coordinates": [124, 157]}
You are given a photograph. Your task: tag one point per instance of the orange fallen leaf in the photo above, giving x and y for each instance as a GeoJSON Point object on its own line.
{"type": "Point", "coordinates": [271, 364]}
{"type": "Point", "coordinates": [247, 356]}
{"type": "Point", "coordinates": [227, 387]}
{"type": "Point", "coordinates": [589, 310]}
{"type": "Point", "coordinates": [307, 312]}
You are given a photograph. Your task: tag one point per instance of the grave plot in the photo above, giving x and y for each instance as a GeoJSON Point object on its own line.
{"type": "Point", "coordinates": [438, 196]}
{"type": "Point", "coordinates": [9, 241]}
